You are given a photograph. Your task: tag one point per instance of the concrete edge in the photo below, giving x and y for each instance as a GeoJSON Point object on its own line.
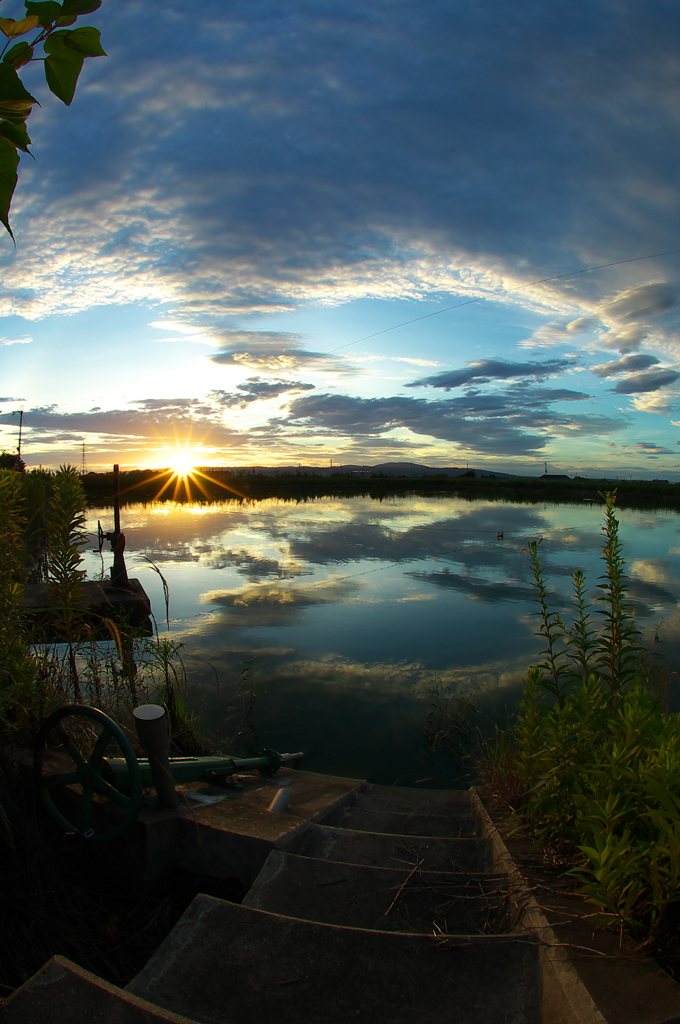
{"type": "Point", "coordinates": [561, 980]}
{"type": "Point", "coordinates": [291, 841]}
{"type": "Point", "coordinates": [58, 967]}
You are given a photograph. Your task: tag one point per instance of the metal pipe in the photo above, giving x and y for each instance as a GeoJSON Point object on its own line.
{"type": "Point", "coordinates": [153, 731]}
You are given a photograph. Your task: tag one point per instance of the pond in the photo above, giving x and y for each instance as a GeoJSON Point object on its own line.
{"type": "Point", "coordinates": [346, 609]}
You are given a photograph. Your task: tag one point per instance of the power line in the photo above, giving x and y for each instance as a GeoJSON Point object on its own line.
{"type": "Point", "coordinates": [508, 291]}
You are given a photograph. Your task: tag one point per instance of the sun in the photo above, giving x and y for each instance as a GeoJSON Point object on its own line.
{"type": "Point", "coordinates": [182, 463]}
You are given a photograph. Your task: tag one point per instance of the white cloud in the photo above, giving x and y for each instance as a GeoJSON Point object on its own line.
{"type": "Point", "coordinates": [15, 341]}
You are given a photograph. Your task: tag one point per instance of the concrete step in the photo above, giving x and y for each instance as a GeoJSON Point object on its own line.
{"type": "Point", "coordinates": [387, 899]}
{"type": "Point", "coordinates": [230, 964]}
{"type": "Point", "coordinates": [456, 802]}
{"type": "Point", "coordinates": [404, 824]}
{"type": "Point", "coordinates": [395, 851]}
{"type": "Point", "coordinates": [63, 993]}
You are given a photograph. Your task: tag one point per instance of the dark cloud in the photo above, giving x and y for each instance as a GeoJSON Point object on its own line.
{"type": "Point", "coordinates": [625, 365]}
{"type": "Point", "coordinates": [256, 389]}
{"type": "Point", "coordinates": [642, 303]}
{"type": "Point", "coordinates": [481, 371]}
{"type": "Point", "coordinates": [496, 423]}
{"type": "Point", "coordinates": [652, 380]}
{"type": "Point", "coordinates": [325, 150]}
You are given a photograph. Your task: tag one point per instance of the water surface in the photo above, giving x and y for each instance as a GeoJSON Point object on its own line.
{"type": "Point", "coordinates": [347, 607]}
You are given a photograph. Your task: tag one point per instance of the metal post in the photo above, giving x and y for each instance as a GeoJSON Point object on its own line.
{"type": "Point", "coordinates": [119, 576]}
{"type": "Point", "coordinates": [153, 732]}
{"type": "Point", "coordinates": [116, 499]}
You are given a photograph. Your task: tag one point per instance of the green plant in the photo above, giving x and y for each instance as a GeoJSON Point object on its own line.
{"type": "Point", "coordinates": [578, 650]}
{"type": "Point", "coordinates": [15, 665]}
{"type": "Point", "coordinates": [64, 52]}
{"type": "Point", "coordinates": [595, 759]}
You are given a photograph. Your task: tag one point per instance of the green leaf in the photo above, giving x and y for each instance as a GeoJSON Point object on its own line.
{"type": "Point", "coordinates": [66, 20]}
{"type": "Point", "coordinates": [18, 55]}
{"type": "Point", "coordinates": [80, 6]}
{"type": "Point", "coordinates": [15, 101]}
{"type": "Point", "coordinates": [62, 68]}
{"type": "Point", "coordinates": [46, 13]}
{"type": "Point", "coordinates": [86, 41]}
{"type": "Point", "coordinates": [13, 28]}
{"type": "Point", "coordinates": [9, 160]}
{"type": "Point", "coordinates": [16, 134]}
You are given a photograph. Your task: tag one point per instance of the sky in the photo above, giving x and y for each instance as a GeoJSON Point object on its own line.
{"type": "Point", "coordinates": [280, 234]}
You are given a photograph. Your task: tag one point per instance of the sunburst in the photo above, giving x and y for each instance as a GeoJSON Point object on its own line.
{"type": "Point", "coordinates": [183, 475]}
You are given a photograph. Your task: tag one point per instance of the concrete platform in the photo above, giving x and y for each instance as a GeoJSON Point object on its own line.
{"type": "Point", "coordinates": [440, 854]}
{"type": "Point", "coordinates": [233, 838]}
{"type": "Point", "coordinates": [63, 993]}
{"type": "Point", "coordinates": [98, 598]}
{"type": "Point", "coordinates": [387, 899]}
{"type": "Point", "coordinates": [229, 964]}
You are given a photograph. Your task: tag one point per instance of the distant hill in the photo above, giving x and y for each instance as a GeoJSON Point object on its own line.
{"type": "Point", "coordinates": [409, 469]}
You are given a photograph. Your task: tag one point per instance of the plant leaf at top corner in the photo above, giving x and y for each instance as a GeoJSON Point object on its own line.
{"type": "Point", "coordinates": [80, 6]}
{"type": "Point", "coordinates": [9, 160]}
{"type": "Point", "coordinates": [62, 68]}
{"type": "Point", "coordinates": [12, 28]}
{"type": "Point", "coordinates": [46, 13]}
{"type": "Point", "coordinates": [86, 41]}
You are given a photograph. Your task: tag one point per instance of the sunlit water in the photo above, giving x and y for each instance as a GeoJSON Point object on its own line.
{"type": "Point", "coordinates": [349, 606]}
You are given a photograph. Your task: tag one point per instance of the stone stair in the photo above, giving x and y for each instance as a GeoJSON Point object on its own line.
{"type": "Point", "coordinates": [386, 910]}
{"type": "Point", "coordinates": [392, 908]}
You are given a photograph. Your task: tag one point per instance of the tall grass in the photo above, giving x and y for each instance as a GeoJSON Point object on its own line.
{"type": "Point", "coordinates": [592, 762]}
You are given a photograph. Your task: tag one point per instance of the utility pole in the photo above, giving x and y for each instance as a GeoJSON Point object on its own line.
{"type": "Point", "coordinates": [83, 462]}
{"type": "Point", "coordinates": [21, 422]}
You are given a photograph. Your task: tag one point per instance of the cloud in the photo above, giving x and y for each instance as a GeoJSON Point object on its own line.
{"type": "Point", "coordinates": [625, 365]}
{"type": "Point", "coordinates": [156, 419]}
{"type": "Point", "coordinates": [331, 167]}
{"type": "Point", "coordinates": [625, 340]}
{"type": "Point", "coordinates": [650, 380]}
{"type": "Point", "coordinates": [272, 351]}
{"type": "Point", "coordinates": [641, 303]}
{"type": "Point", "coordinates": [482, 371]}
{"type": "Point", "coordinates": [650, 448]}
{"type": "Point", "coordinates": [4, 342]}
{"type": "Point", "coordinates": [516, 421]}
{"type": "Point", "coordinates": [256, 389]}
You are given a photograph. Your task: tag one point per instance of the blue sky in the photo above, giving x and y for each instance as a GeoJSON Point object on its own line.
{"type": "Point", "coordinates": [215, 238]}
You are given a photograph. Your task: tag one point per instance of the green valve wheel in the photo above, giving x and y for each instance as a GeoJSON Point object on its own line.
{"type": "Point", "coordinates": [81, 735]}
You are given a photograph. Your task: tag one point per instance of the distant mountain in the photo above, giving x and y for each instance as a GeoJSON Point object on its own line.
{"type": "Point", "coordinates": [410, 469]}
